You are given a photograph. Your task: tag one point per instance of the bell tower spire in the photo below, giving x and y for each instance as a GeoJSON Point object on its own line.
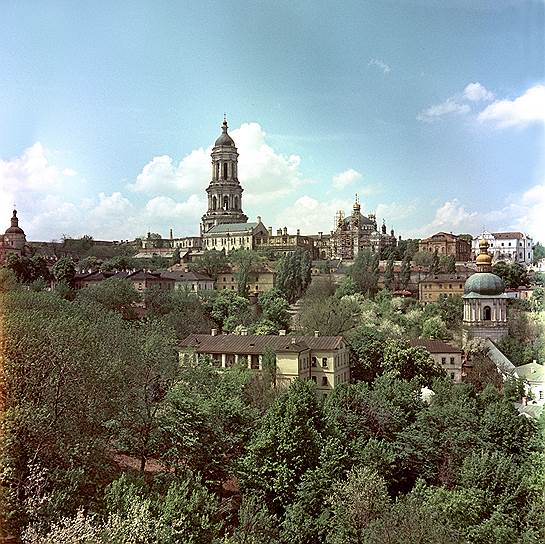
{"type": "Point", "coordinates": [224, 190]}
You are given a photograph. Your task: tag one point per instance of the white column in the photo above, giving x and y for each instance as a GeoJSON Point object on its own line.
{"type": "Point", "coordinates": [223, 360]}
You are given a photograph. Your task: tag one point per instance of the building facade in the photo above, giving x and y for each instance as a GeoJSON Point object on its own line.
{"type": "Point", "coordinates": [447, 244]}
{"type": "Point", "coordinates": [260, 279]}
{"type": "Point", "coordinates": [432, 287]}
{"type": "Point", "coordinates": [323, 359]}
{"type": "Point", "coordinates": [229, 237]}
{"type": "Point", "coordinates": [507, 246]}
{"type": "Point", "coordinates": [282, 242]}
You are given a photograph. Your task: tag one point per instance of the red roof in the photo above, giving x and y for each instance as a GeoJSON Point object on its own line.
{"type": "Point", "coordinates": [434, 346]}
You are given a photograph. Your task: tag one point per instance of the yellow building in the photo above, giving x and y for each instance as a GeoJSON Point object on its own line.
{"type": "Point", "coordinates": [432, 287]}
{"type": "Point", "coordinates": [232, 236]}
{"type": "Point", "coordinates": [323, 359]}
{"type": "Point", "coordinates": [262, 278]}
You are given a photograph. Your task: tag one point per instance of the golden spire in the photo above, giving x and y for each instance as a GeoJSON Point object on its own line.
{"type": "Point", "coordinates": [484, 259]}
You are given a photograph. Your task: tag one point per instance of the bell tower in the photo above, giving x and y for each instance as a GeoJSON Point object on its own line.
{"type": "Point", "coordinates": [224, 191]}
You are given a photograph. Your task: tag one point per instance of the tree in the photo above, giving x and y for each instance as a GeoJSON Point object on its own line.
{"type": "Point", "coordinates": [367, 346]}
{"type": "Point", "coordinates": [513, 274]}
{"type": "Point", "coordinates": [285, 446]}
{"type": "Point", "coordinates": [405, 272]}
{"type": "Point", "coordinates": [447, 263]}
{"type": "Point", "coordinates": [230, 309]}
{"type": "Point", "coordinates": [211, 263]}
{"type": "Point", "coordinates": [364, 272]}
{"type": "Point", "coordinates": [435, 263]}
{"type": "Point", "coordinates": [293, 274]}
{"type": "Point", "coordinates": [539, 252]}
{"type": "Point", "coordinates": [389, 273]}
{"type": "Point", "coordinates": [356, 503]}
{"type": "Point", "coordinates": [275, 309]}
{"type": "Point", "coordinates": [423, 258]}
{"type": "Point", "coordinates": [64, 271]}
{"type": "Point", "coordinates": [328, 316]}
{"type": "Point", "coordinates": [408, 362]}
{"type": "Point", "coordinates": [243, 261]}
{"type": "Point", "coordinates": [434, 327]}
{"type": "Point", "coordinates": [113, 294]}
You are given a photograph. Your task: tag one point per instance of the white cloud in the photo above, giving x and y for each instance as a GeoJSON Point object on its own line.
{"type": "Point", "coordinates": [264, 173]}
{"type": "Point", "coordinates": [161, 175]}
{"type": "Point", "coordinates": [381, 65]}
{"type": "Point", "coordinates": [475, 92]}
{"type": "Point", "coordinates": [457, 104]}
{"type": "Point", "coordinates": [310, 215]}
{"type": "Point", "coordinates": [449, 106]}
{"type": "Point", "coordinates": [523, 110]}
{"type": "Point", "coordinates": [523, 212]}
{"type": "Point", "coordinates": [346, 178]}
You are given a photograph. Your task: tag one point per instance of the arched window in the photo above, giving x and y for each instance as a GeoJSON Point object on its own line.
{"type": "Point", "coordinates": [236, 202]}
{"type": "Point", "coordinates": [217, 170]}
{"type": "Point", "coordinates": [225, 202]}
{"type": "Point", "coordinates": [487, 313]}
{"type": "Point", "coordinates": [214, 203]}
{"type": "Point", "coordinates": [224, 170]}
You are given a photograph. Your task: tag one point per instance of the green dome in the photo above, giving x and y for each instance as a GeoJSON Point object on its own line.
{"type": "Point", "coordinates": [484, 283]}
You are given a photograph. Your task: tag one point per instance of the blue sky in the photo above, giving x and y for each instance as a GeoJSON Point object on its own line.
{"type": "Point", "coordinates": [433, 111]}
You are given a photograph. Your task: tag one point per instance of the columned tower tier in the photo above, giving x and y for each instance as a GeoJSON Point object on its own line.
{"type": "Point", "coordinates": [224, 191]}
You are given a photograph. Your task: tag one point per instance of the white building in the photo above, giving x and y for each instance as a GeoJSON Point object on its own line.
{"type": "Point", "coordinates": [506, 246]}
{"type": "Point", "coordinates": [232, 236]}
{"type": "Point", "coordinates": [533, 375]}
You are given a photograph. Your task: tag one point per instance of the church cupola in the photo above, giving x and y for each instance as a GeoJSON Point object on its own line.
{"type": "Point", "coordinates": [224, 190]}
{"type": "Point", "coordinates": [485, 303]}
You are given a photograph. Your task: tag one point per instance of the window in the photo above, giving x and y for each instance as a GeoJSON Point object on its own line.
{"type": "Point", "coordinates": [324, 381]}
{"type": "Point", "coordinates": [324, 361]}
{"type": "Point", "coordinates": [450, 285]}
{"type": "Point", "coordinates": [443, 360]}
{"type": "Point", "coordinates": [541, 395]}
{"type": "Point", "coordinates": [452, 375]}
{"type": "Point", "coordinates": [224, 170]}
{"type": "Point", "coordinates": [314, 361]}
{"type": "Point", "coordinates": [313, 378]}
{"type": "Point", "coordinates": [487, 313]}
{"type": "Point", "coordinates": [452, 360]}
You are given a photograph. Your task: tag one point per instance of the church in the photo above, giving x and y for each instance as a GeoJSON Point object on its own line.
{"type": "Point", "coordinates": [225, 227]}
{"type": "Point", "coordinates": [13, 241]}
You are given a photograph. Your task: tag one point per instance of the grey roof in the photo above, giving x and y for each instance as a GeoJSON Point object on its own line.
{"type": "Point", "coordinates": [256, 345]}
{"type": "Point", "coordinates": [232, 227]}
{"type": "Point", "coordinates": [503, 364]}
{"type": "Point", "coordinates": [529, 410]}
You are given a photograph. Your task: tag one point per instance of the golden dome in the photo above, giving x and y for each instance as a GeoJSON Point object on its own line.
{"type": "Point", "coordinates": [484, 260]}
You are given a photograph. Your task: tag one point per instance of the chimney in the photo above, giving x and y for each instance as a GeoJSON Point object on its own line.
{"type": "Point", "coordinates": [320, 235]}
{"type": "Point", "coordinates": [259, 219]}
{"type": "Point", "coordinates": [298, 232]}
{"type": "Point", "coordinates": [214, 332]}
{"type": "Point", "coordinates": [316, 334]}
{"type": "Point", "coordinates": [282, 332]}
{"type": "Point", "coordinates": [278, 232]}
{"type": "Point", "coordinates": [270, 231]}
{"type": "Point", "coordinates": [170, 233]}
{"type": "Point", "coordinates": [243, 332]}
{"type": "Point", "coordinates": [294, 340]}
{"type": "Point", "coordinates": [285, 231]}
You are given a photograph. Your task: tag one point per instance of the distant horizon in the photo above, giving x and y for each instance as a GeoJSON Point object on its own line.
{"type": "Point", "coordinates": [434, 114]}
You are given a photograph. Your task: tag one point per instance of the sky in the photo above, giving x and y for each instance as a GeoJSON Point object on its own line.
{"type": "Point", "coordinates": [432, 111]}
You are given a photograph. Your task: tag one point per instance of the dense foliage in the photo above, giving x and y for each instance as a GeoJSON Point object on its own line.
{"type": "Point", "coordinates": [106, 438]}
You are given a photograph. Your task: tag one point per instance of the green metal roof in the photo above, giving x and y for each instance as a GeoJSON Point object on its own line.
{"type": "Point", "coordinates": [232, 227]}
{"type": "Point", "coordinates": [484, 283]}
{"type": "Point", "coordinates": [533, 372]}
